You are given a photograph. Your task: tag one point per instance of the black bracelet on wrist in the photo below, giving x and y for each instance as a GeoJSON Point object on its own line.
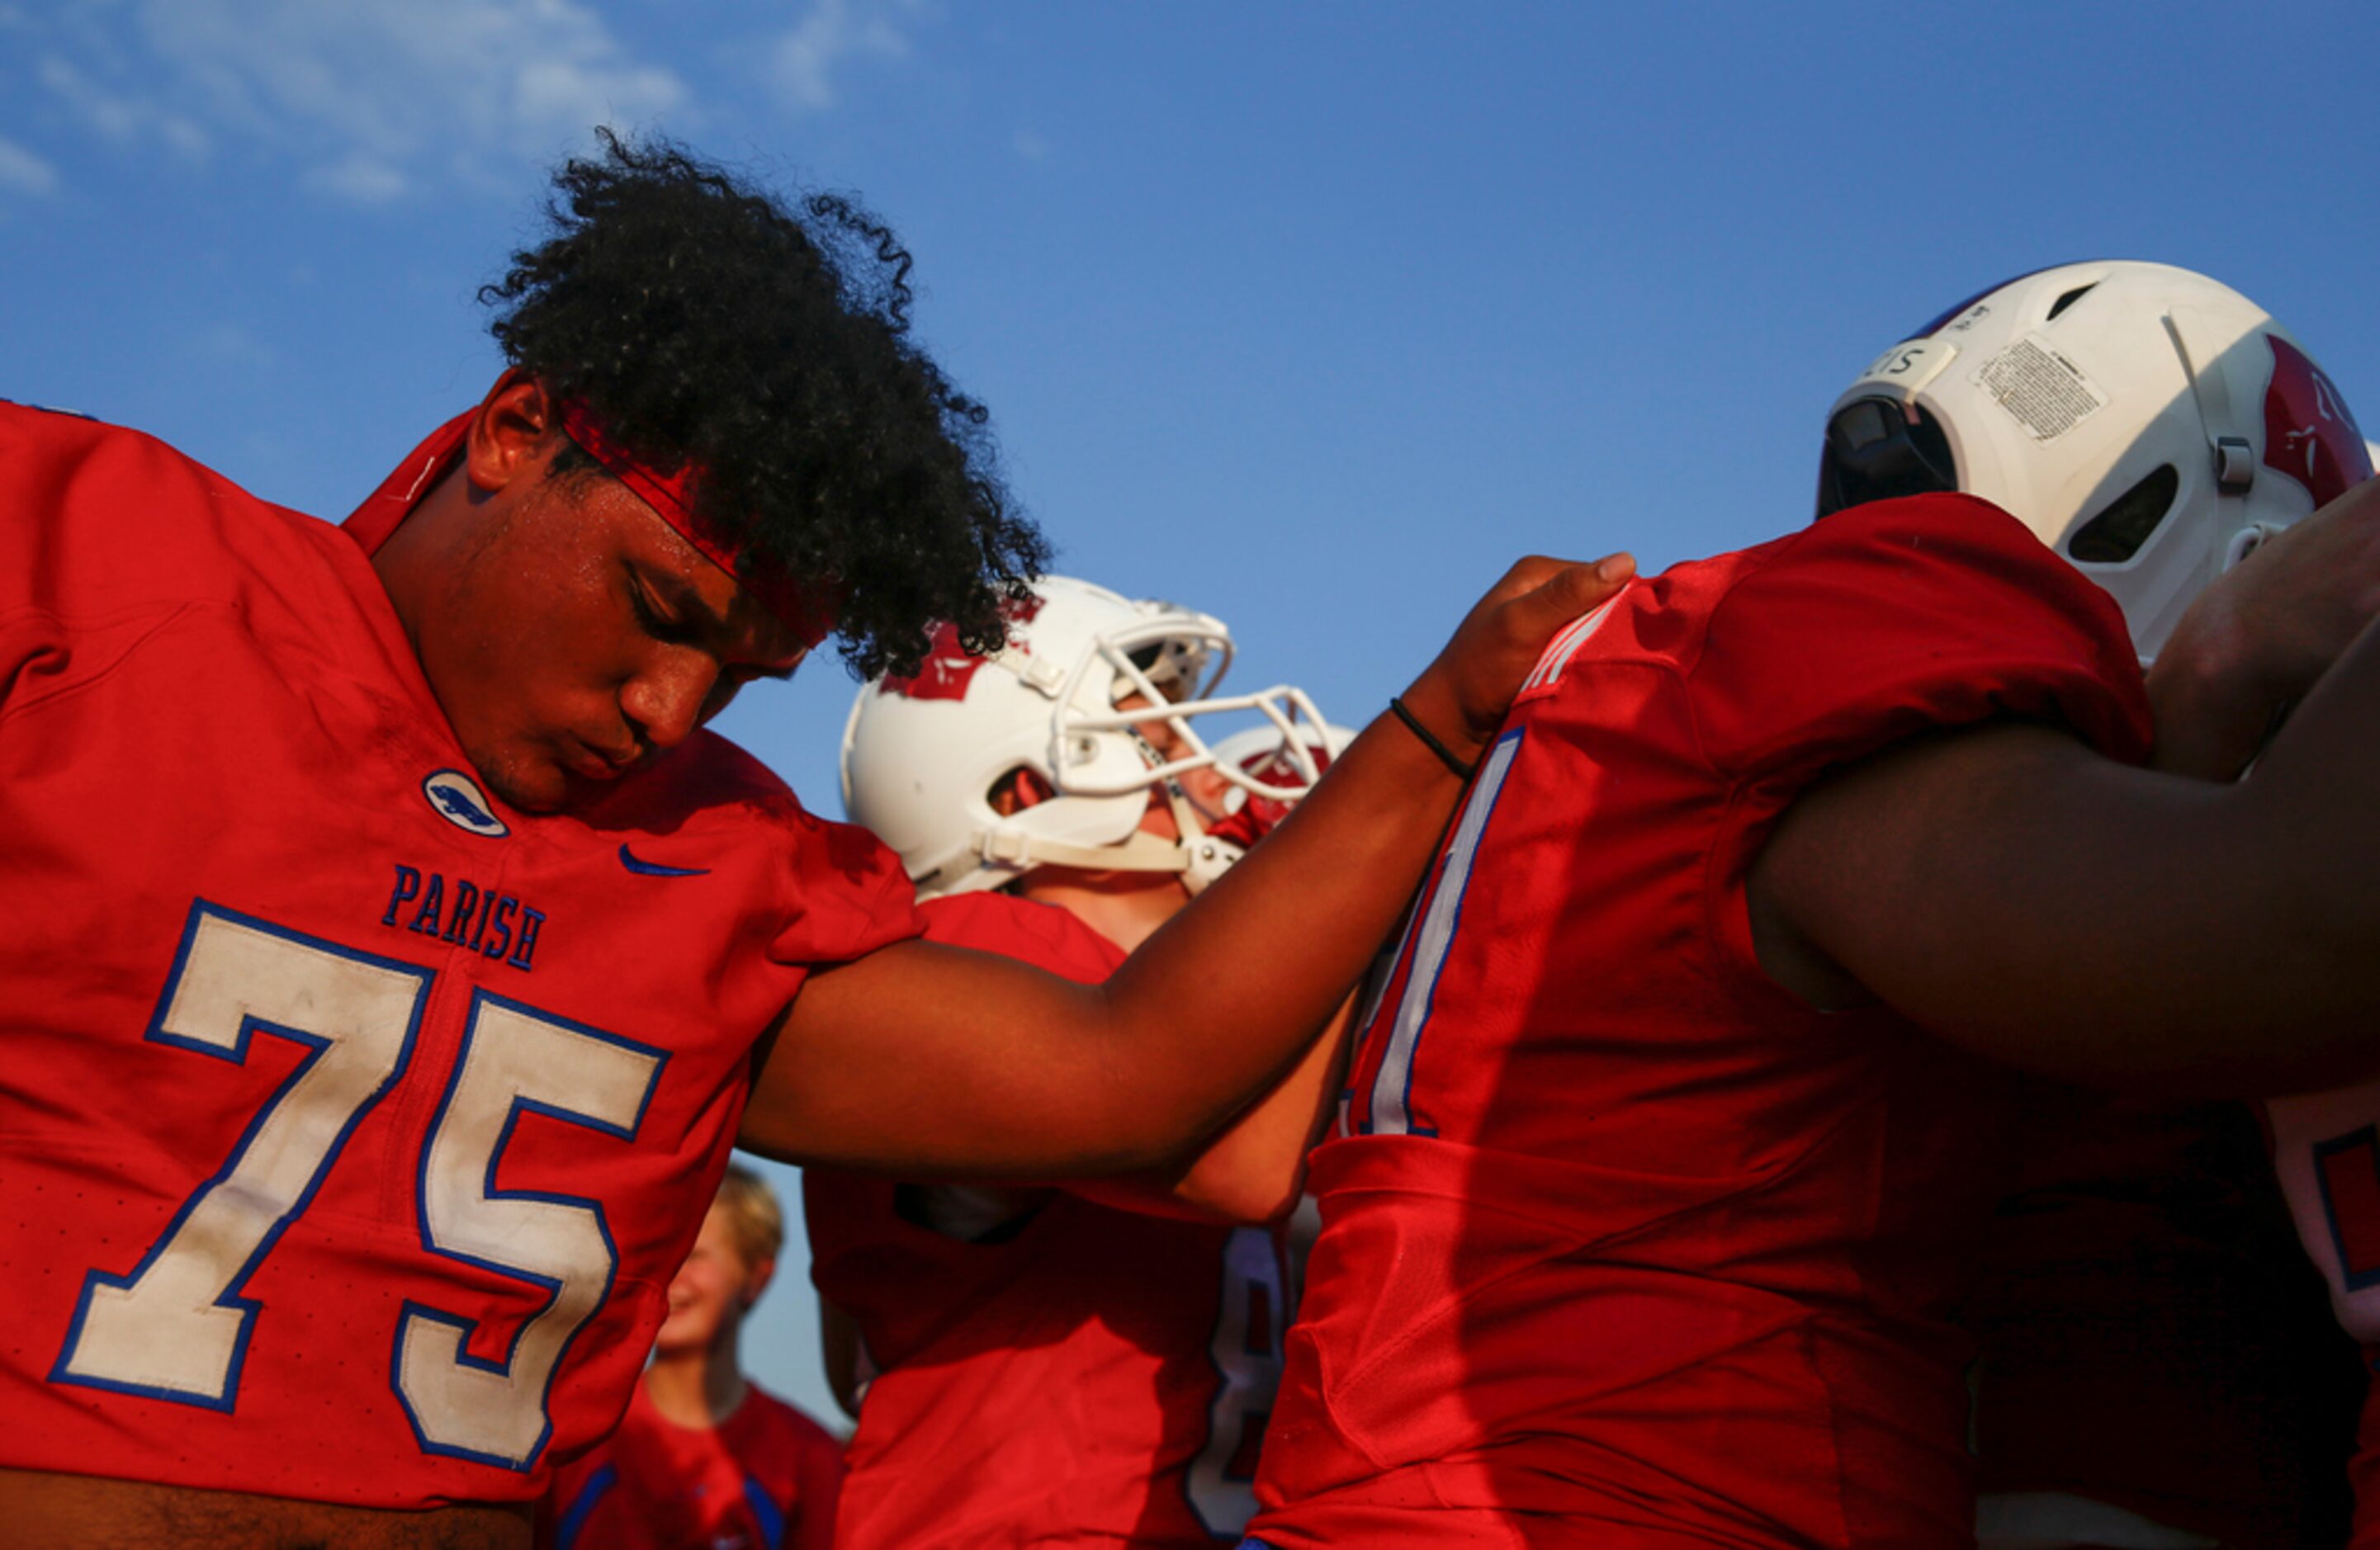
{"type": "Point", "coordinates": [1445, 756]}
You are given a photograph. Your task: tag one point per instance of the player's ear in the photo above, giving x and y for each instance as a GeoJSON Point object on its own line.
{"type": "Point", "coordinates": [756, 1279]}
{"type": "Point", "coordinates": [1015, 791]}
{"type": "Point", "coordinates": [510, 433]}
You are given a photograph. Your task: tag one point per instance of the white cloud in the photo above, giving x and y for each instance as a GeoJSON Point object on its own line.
{"type": "Point", "coordinates": [373, 98]}
{"type": "Point", "coordinates": [21, 172]}
{"type": "Point", "coordinates": [803, 62]}
{"type": "Point", "coordinates": [119, 117]}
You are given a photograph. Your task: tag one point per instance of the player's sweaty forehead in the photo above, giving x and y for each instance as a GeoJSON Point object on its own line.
{"type": "Point", "coordinates": [690, 598]}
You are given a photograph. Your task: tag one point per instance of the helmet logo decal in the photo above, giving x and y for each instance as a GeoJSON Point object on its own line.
{"type": "Point", "coordinates": [945, 674]}
{"type": "Point", "coordinates": [950, 667]}
{"type": "Point", "coordinates": [455, 797]}
{"type": "Point", "coordinates": [2308, 433]}
{"type": "Point", "coordinates": [2047, 393]}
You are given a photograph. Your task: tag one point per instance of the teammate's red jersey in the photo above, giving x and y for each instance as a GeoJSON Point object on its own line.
{"type": "Point", "coordinates": [1093, 1377]}
{"type": "Point", "coordinates": [1623, 1244]}
{"type": "Point", "coordinates": [763, 1479]}
{"type": "Point", "coordinates": [353, 1124]}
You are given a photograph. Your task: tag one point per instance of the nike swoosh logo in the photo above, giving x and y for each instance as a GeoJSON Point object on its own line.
{"type": "Point", "coordinates": [655, 869]}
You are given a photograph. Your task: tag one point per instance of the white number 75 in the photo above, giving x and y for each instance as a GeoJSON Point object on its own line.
{"type": "Point", "coordinates": [177, 1326]}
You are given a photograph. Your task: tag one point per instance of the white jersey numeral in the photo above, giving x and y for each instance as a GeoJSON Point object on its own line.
{"type": "Point", "coordinates": [1246, 1348]}
{"type": "Point", "coordinates": [515, 1060]}
{"type": "Point", "coordinates": [176, 1328]}
{"type": "Point", "coordinates": [1390, 1113]}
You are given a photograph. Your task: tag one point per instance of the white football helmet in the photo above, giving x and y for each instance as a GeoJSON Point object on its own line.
{"type": "Point", "coordinates": [922, 755]}
{"type": "Point", "coordinates": [2150, 424]}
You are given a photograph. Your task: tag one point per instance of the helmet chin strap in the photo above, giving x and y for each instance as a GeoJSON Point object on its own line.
{"type": "Point", "coordinates": [1204, 857]}
{"type": "Point", "coordinates": [1197, 860]}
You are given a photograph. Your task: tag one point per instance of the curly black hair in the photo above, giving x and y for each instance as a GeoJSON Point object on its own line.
{"type": "Point", "coordinates": [702, 320]}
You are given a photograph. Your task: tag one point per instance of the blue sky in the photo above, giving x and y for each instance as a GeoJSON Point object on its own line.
{"type": "Point", "coordinates": [1312, 316]}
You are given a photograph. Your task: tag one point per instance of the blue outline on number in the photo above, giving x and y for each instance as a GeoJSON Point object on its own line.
{"type": "Point", "coordinates": [771, 1522]}
{"type": "Point", "coordinates": [2366, 1139]}
{"type": "Point", "coordinates": [1453, 929]}
{"type": "Point", "coordinates": [1277, 1325]}
{"type": "Point", "coordinates": [469, 1326]}
{"type": "Point", "coordinates": [315, 1044]}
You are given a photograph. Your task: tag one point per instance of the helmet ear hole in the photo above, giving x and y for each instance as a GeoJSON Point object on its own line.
{"type": "Point", "coordinates": [2069, 298]}
{"type": "Point", "coordinates": [1020, 788]}
{"type": "Point", "coordinates": [2116, 532]}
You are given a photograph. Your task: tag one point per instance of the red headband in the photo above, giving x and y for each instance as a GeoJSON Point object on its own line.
{"type": "Point", "coordinates": [807, 611]}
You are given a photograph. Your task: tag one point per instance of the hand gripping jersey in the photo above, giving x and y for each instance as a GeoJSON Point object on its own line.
{"type": "Point", "coordinates": [1622, 1245]}
{"type": "Point", "coordinates": [352, 1123]}
{"type": "Point", "coordinates": [1093, 1377]}
{"type": "Point", "coordinates": [763, 1479]}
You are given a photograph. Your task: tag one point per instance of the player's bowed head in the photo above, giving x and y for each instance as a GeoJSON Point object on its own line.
{"type": "Point", "coordinates": [683, 336]}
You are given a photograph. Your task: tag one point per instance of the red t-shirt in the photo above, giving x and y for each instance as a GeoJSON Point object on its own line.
{"type": "Point", "coordinates": [763, 1479]}
{"type": "Point", "coordinates": [1095, 1377]}
{"type": "Point", "coordinates": [1622, 1245]}
{"type": "Point", "coordinates": [353, 1124]}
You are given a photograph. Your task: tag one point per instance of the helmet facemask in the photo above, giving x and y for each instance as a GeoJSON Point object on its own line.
{"type": "Point", "coordinates": [1084, 681]}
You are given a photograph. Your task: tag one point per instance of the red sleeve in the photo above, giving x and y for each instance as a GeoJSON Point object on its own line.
{"type": "Point", "coordinates": [1887, 621]}
{"type": "Point", "coordinates": [846, 895]}
{"type": "Point", "coordinates": [92, 555]}
{"type": "Point", "coordinates": [1049, 938]}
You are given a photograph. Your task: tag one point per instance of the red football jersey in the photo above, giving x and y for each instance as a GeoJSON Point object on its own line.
{"type": "Point", "coordinates": [353, 1122]}
{"type": "Point", "coordinates": [1623, 1244]}
{"type": "Point", "coordinates": [763, 1479]}
{"type": "Point", "coordinates": [1095, 1377]}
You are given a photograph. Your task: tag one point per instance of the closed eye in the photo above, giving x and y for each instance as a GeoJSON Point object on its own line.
{"type": "Point", "coordinates": [650, 618]}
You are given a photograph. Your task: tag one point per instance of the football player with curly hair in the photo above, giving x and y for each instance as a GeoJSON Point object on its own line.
{"type": "Point", "coordinates": [393, 957]}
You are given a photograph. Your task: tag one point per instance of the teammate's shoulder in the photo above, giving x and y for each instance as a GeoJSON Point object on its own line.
{"type": "Point", "coordinates": [49, 424]}
{"type": "Point", "coordinates": [1926, 563]}
{"type": "Point", "coordinates": [1910, 522]}
{"type": "Point", "coordinates": [22, 407]}
{"type": "Point", "coordinates": [1042, 935]}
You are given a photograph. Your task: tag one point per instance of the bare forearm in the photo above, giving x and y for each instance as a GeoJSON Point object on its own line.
{"type": "Point", "coordinates": [2022, 897]}
{"type": "Point", "coordinates": [920, 1060]}
{"type": "Point", "coordinates": [1254, 1170]}
{"type": "Point", "coordinates": [932, 1061]}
